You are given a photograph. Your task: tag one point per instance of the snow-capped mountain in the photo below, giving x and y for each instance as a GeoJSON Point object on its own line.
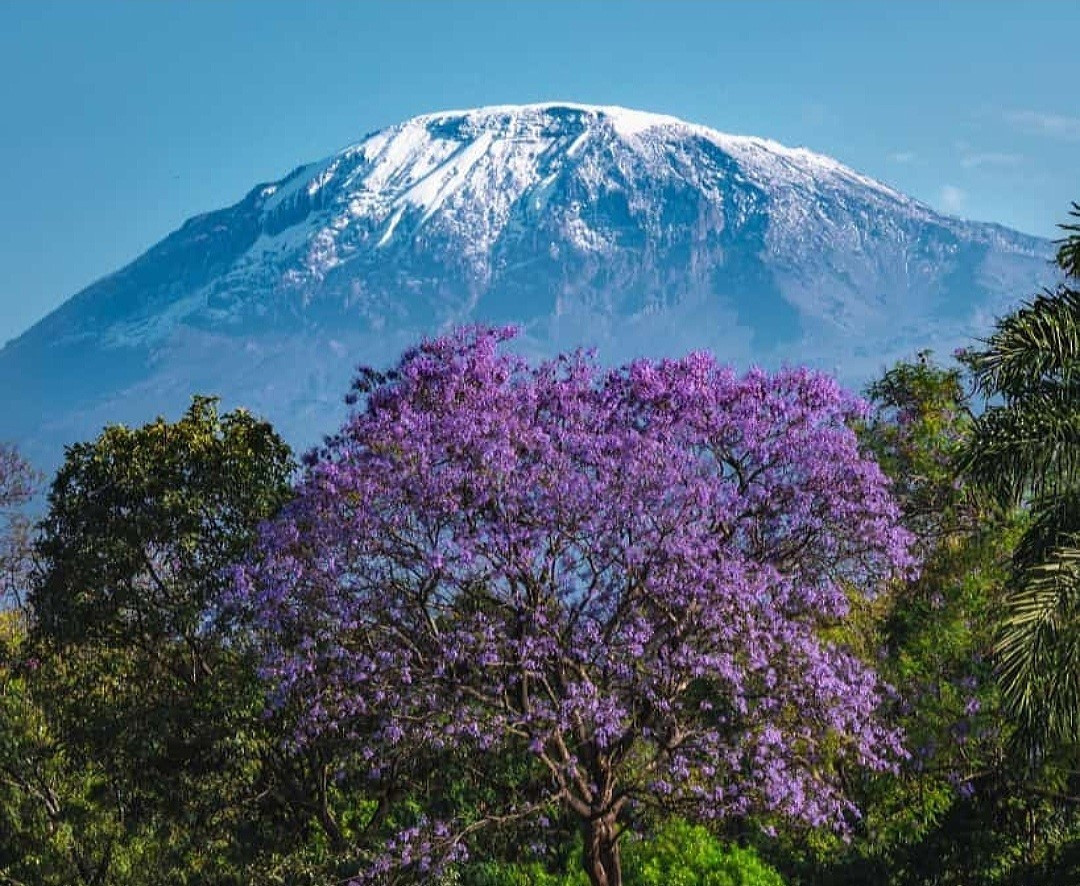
{"type": "Point", "coordinates": [636, 233]}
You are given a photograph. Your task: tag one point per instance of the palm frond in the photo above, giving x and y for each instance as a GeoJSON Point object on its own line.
{"type": "Point", "coordinates": [1038, 649]}
{"type": "Point", "coordinates": [1068, 256]}
{"type": "Point", "coordinates": [1028, 447]}
{"type": "Point", "coordinates": [1041, 340]}
{"type": "Point", "coordinates": [1056, 519]}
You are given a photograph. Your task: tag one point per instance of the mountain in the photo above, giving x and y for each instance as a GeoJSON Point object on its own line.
{"type": "Point", "coordinates": [633, 232]}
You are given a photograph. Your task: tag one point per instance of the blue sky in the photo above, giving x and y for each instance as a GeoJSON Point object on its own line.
{"type": "Point", "coordinates": [122, 119]}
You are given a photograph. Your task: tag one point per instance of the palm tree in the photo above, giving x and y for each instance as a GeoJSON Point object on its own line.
{"type": "Point", "coordinates": [1025, 450]}
{"type": "Point", "coordinates": [1069, 247]}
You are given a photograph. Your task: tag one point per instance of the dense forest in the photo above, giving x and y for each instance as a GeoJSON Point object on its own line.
{"type": "Point", "coordinates": [562, 624]}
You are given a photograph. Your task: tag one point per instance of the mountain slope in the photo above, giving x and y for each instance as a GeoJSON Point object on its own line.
{"type": "Point", "coordinates": [634, 232]}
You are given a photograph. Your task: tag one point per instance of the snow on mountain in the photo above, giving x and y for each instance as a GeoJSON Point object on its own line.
{"type": "Point", "coordinates": [637, 233]}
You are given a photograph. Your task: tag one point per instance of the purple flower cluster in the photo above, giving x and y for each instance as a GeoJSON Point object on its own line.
{"type": "Point", "coordinates": [626, 573]}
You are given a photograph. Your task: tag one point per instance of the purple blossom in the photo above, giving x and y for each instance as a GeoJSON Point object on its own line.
{"type": "Point", "coordinates": [625, 572]}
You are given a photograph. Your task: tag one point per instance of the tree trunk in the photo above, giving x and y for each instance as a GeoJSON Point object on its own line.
{"type": "Point", "coordinates": [601, 852]}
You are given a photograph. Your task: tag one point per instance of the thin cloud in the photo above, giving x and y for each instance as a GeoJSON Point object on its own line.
{"type": "Point", "coordinates": [1059, 126]}
{"type": "Point", "coordinates": [990, 158]}
{"type": "Point", "coordinates": [902, 156]}
{"type": "Point", "coordinates": [952, 198]}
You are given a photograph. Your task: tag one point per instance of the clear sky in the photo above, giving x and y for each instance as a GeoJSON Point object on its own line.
{"type": "Point", "coordinates": [119, 120]}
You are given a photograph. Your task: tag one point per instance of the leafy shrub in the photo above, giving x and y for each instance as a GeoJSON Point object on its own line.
{"type": "Point", "coordinates": [492, 873]}
{"type": "Point", "coordinates": [678, 854]}
{"type": "Point", "coordinates": [682, 854]}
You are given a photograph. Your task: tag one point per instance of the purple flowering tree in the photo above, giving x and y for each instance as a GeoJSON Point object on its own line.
{"type": "Point", "coordinates": [629, 575]}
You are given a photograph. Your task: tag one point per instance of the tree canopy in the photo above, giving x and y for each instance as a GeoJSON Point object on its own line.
{"type": "Point", "coordinates": [628, 576]}
{"type": "Point", "coordinates": [143, 695]}
{"type": "Point", "coordinates": [142, 522]}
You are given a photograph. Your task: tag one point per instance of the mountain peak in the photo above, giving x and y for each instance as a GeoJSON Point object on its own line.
{"type": "Point", "coordinates": [489, 162]}
{"type": "Point", "coordinates": [585, 224]}
{"type": "Point", "coordinates": [626, 120]}
{"type": "Point", "coordinates": [543, 122]}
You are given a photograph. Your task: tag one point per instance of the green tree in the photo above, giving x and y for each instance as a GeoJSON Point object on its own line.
{"type": "Point", "coordinates": [1068, 256]}
{"type": "Point", "coordinates": [55, 822]}
{"type": "Point", "coordinates": [57, 819]}
{"type": "Point", "coordinates": [959, 811]}
{"type": "Point", "coordinates": [142, 525]}
{"type": "Point", "coordinates": [138, 681]}
{"type": "Point", "coordinates": [1024, 450]}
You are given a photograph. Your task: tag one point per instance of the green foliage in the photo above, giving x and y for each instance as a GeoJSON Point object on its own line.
{"type": "Point", "coordinates": [142, 522]}
{"type": "Point", "coordinates": [56, 826]}
{"type": "Point", "coordinates": [676, 854]}
{"type": "Point", "coordinates": [493, 873]}
{"type": "Point", "coordinates": [931, 639]}
{"type": "Point", "coordinates": [139, 686]}
{"type": "Point", "coordinates": [1068, 256]}
{"type": "Point", "coordinates": [682, 854]}
{"type": "Point", "coordinates": [920, 418]}
{"type": "Point", "coordinates": [1023, 450]}
{"type": "Point", "coordinates": [962, 810]}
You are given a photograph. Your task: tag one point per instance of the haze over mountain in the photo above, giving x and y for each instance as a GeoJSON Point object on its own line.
{"type": "Point", "coordinates": [633, 232]}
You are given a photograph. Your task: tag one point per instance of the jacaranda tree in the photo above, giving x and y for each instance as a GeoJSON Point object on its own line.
{"type": "Point", "coordinates": [627, 576]}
